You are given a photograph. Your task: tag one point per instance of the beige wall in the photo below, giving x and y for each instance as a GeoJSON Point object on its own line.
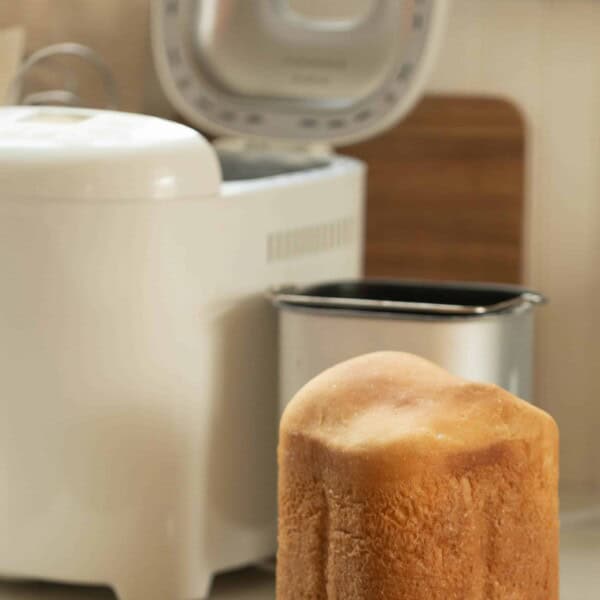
{"type": "Point", "coordinates": [117, 29]}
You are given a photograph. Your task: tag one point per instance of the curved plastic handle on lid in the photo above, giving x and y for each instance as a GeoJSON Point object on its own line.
{"type": "Point", "coordinates": [66, 96]}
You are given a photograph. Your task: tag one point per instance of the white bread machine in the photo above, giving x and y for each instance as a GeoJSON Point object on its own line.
{"type": "Point", "coordinates": [138, 363]}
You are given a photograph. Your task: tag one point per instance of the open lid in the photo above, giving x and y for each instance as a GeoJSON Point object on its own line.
{"type": "Point", "coordinates": [332, 71]}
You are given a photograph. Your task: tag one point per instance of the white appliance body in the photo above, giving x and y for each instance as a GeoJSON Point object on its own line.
{"type": "Point", "coordinates": [138, 368]}
{"type": "Point", "coordinates": [139, 363]}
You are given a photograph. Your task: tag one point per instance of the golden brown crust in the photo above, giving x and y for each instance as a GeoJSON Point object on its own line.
{"type": "Point", "coordinates": [401, 482]}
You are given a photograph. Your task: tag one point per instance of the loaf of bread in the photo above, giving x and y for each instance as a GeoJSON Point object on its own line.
{"type": "Point", "coordinates": [399, 481]}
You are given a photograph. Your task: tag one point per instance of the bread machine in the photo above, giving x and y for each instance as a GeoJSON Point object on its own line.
{"type": "Point", "coordinates": [138, 366]}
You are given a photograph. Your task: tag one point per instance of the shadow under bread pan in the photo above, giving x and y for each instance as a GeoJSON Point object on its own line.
{"type": "Point", "coordinates": [482, 332]}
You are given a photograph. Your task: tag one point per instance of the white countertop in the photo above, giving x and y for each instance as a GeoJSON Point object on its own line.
{"type": "Point", "coordinates": [580, 546]}
{"type": "Point", "coordinates": [580, 571]}
{"type": "Point", "coordinates": [247, 585]}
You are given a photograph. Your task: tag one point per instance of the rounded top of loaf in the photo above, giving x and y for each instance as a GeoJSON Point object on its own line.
{"type": "Point", "coordinates": [390, 400]}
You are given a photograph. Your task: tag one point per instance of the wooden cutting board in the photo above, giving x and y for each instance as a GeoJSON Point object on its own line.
{"type": "Point", "coordinates": [446, 192]}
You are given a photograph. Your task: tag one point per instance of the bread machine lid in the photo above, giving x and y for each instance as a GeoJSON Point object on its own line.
{"type": "Point", "coordinates": [332, 72]}
{"type": "Point", "coordinates": [56, 153]}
